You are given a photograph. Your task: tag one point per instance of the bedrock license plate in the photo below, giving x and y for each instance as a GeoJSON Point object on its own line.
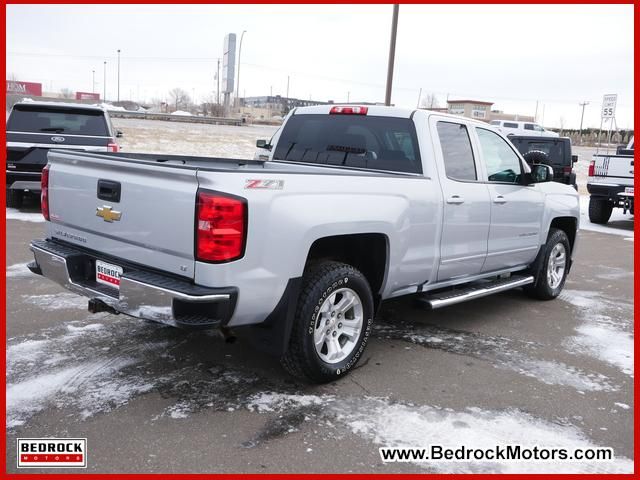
{"type": "Point", "coordinates": [108, 274]}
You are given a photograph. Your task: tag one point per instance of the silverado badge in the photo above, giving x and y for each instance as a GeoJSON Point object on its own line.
{"type": "Point", "coordinates": [107, 214]}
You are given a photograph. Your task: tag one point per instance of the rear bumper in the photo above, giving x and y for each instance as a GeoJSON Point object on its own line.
{"type": "Point", "coordinates": [142, 294]}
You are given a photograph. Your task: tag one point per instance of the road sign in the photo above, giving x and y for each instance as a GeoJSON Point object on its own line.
{"type": "Point", "coordinates": [609, 105]}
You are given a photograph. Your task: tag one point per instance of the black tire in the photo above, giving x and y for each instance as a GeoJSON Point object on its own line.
{"type": "Point", "coordinates": [541, 288]}
{"type": "Point", "coordinates": [14, 198]}
{"type": "Point", "coordinates": [599, 210]}
{"type": "Point", "coordinates": [301, 359]}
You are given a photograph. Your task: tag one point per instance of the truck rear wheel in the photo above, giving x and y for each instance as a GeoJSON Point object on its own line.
{"type": "Point", "coordinates": [599, 210]}
{"type": "Point", "coordinates": [332, 323]}
{"type": "Point", "coordinates": [14, 198]}
{"type": "Point", "coordinates": [551, 267]}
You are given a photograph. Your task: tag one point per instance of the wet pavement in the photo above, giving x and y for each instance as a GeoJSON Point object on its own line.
{"type": "Point", "coordinates": [502, 369]}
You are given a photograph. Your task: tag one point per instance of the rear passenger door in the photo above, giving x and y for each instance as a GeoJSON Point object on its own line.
{"type": "Point", "coordinates": [463, 246]}
{"type": "Point", "coordinates": [516, 209]}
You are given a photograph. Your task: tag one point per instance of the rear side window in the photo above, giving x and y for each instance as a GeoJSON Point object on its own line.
{"type": "Point", "coordinates": [510, 125]}
{"type": "Point", "coordinates": [378, 143]}
{"type": "Point", "coordinates": [456, 151]}
{"type": "Point", "coordinates": [26, 118]}
{"type": "Point", "coordinates": [528, 126]}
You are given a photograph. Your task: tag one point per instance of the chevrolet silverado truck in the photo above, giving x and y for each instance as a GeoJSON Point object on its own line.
{"type": "Point", "coordinates": [355, 205]}
{"type": "Point", "coordinates": [35, 127]}
{"type": "Point", "coordinates": [610, 184]}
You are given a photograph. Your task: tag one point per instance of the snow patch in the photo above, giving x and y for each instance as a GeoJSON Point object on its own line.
{"type": "Point", "coordinates": [18, 270]}
{"type": "Point", "coordinates": [15, 214]}
{"type": "Point", "coordinates": [60, 301]}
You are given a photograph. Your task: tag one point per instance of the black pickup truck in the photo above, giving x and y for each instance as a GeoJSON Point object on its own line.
{"type": "Point", "coordinates": [35, 127]}
{"type": "Point", "coordinates": [552, 151]}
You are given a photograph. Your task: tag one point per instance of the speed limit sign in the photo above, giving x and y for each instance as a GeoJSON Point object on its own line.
{"type": "Point", "coordinates": [609, 105]}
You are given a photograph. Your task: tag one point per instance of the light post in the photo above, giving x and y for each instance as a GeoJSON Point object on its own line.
{"type": "Point", "coordinates": [118, 74]}
{"type": "Point", "coordinates": [238, 82]}
{"type": "Point", "coordinates": [104, 84]}
{"type": "Point", "coordinates": [93, 81]}
{"type": "Point", "coordinates": [392, 54]}
{"type": "Point", "coordinates": [583, 104]}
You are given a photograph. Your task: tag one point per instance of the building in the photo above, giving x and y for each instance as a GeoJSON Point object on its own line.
{"type": "Point", "coordinates": [481, 110]}
{"type": "Point", "coordinates": [476, 109]}
{"type": "Point", "coordinates": [277, 104]}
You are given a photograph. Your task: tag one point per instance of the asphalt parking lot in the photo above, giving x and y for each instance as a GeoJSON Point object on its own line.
{"type": "Point", "coordinates": [503, 369]}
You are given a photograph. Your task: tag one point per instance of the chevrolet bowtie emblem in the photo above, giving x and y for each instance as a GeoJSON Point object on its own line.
{"type": "Point", "coordinates": [107, 214]}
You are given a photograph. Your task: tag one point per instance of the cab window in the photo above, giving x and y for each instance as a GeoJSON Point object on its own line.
{"type": "Point", "coordinates": [503, 164]}
{"type": "Point", "coordinates": [456, 151]}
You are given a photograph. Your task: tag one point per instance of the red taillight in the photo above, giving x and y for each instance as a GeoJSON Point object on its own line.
{"type": "Point", "coordinates": [113, 147]}
{"type": "Point", "coordinates": [349, 110]}
{"type": "Point", "coordinates": [567, 169]}
{"type": "Point", "coordinates": [220, 227]}
{"type": "Point", "coordinates": [44, 192]}
{"type": "Point", "coordinates": [592, 168]}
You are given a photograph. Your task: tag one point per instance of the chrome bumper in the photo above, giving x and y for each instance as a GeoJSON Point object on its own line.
{"type": "Point", "coordinates": [142, 294]}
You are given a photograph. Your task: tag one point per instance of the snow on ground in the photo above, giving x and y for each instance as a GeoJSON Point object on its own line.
{"type": "Point", "coordinates": [58, 301]}
{"type": "Point", "coordinates": [15, 214]}
{"type": "Point", "coordinates": [501, 352]}
{"type": "Point", "coordinates": [607, 331]}
{"type": "Point", "coordinates": [18, 270]}
{"type": "Point", "coordinates": [154, 136]}
{"type": "Point", "coordinates": [181, 113]}
{"type": "Point", "coordinates": [623, 221]}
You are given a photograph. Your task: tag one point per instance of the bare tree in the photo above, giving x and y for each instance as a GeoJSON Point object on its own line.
{"type": "Point", "coordinates": [179, 98]}
{"type": "Point", "coordinates": [430, 101]}
{"type": "Point", "coordinates": [66, 93]}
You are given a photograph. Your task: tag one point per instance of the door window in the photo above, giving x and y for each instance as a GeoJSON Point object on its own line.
{"type": "Point", "coordinates": [456, 151]}
{"type": "Point", "coordinates": [503, 165]}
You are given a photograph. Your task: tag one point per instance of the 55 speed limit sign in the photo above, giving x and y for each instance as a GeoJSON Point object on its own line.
{"type": "Point", "coordinates": [609, 105]}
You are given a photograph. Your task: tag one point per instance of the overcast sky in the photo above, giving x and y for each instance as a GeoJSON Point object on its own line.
{"type": "Point", "coordinates": [511, 55]}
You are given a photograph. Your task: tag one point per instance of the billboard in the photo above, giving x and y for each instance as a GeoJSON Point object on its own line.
{"type": "Point", "coordinates": [15, 87]}
{"type": "Point", "coordinates": [228, 63]}
{"type": "Point", "coordinates": [87, 96]}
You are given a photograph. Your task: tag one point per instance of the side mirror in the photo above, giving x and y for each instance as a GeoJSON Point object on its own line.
{"type": "Point", "coordinates": [541, 173]}
{"type": "Point", "coordinates": [263, 144]}
{"type": "Point", "coordinates": [119, 134]}
{"type": "Point", "coordinates": [574, 158]}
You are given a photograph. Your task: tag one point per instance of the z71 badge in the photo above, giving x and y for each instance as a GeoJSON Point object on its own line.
{"type": "Point", "coordinates": [264, 184]}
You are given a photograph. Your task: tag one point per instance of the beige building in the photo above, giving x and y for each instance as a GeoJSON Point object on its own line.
{"type": "Point", "coordinates": [480, 110]}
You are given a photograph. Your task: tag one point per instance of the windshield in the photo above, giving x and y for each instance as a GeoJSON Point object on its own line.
{"type": "Point", "coordinates": [38, 119]}
{"type": "Point", "coordinates": [379, 143]}
{"type": "Point", "coordinates": [554, 150]}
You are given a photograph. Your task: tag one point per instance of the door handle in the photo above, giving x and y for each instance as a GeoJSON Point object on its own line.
{"type": "Point", "coordinates": [499, 199]}
{"type": "Point", "coordinates": [455, 199]}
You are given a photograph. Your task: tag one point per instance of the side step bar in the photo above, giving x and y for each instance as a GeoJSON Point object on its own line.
{"type": "Point", "coordinates": [451, 297]}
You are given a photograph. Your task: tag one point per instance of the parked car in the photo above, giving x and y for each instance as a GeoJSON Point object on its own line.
{"type": "Point", "coordinates": [356, 205]}
{"type": "Point", "coordinates": [509, 128]}
{"type": "Point", "coordinates": [552, 151]}
{"type": "Point", "coordinates": [35, 127]}
{"type": "Point", "coordinates": [610, 184]}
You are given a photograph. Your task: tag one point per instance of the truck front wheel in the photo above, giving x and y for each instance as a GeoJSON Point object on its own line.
{"type": "Point", "coordinates": [599, 210]}
{"type": "Point", "coordinates": [332, 324]}
{"type": "Point", "coordinates": [550, 267]}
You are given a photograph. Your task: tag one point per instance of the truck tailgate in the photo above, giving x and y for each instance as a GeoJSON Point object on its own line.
{"type": "Point", "coordinates": [151, 223]}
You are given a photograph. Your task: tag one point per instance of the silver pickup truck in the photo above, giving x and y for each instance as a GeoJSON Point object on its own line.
{"type": "Point", "coordinates": [351, 206]}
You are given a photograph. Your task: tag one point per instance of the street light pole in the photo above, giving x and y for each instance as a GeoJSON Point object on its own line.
{"type": "Point", "coordinates": [392, 54]}
{"type": "Point", "coordinates": [104, 83]}
{"type": "Point", "coordinates": [238, 81]}
{"type": "Point", "coordinates": [93, 81]}
{"type": "Point", "coordinates": [583, 104]}
{"type": "Point", "coordinates": [118, 74]}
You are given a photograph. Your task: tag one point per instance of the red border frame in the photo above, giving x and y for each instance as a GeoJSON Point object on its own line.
{"type": "Point", "coordinates": [3, 314]}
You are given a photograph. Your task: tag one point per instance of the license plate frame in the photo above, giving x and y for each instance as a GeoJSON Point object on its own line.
{"type": "Point", "coordinates": [108, 274]}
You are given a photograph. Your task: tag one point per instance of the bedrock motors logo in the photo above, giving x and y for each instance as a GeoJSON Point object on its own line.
{"type": "Point", "coordinates": [52, 453]}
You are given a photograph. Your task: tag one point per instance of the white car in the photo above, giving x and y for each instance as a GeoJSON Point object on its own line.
{"type": "Point", "coordinates": [509, 127]}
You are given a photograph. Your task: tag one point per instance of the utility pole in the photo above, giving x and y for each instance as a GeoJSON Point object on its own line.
{"type": "Point", "coordinates": [118, 74]}
{"type": "Point", "coordinates": [104, 99]}
{"type": "Point", "coordinates": [392, 54]}
{"type": "Point", "coordinates": [93, 81]}
{"type": "Point", "coordinates": [218, 87]}
{"type": "Point", "coordinates": [287, 107]}
{"type": "Point", "coordinates": [535, 117]}
{"type": "Point", "coordinates": [583, 104]}
{"type": "Point", "coordinates": [239, 54]}
{"type": "Point", "coordinates": [419, 98]}
{"type": "Point", "coordinates": [348, 96]}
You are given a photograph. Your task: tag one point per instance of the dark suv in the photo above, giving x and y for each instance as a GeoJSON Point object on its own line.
{"type": "Point", "coordinates": [552, 151]}
{"type": "Point", "coordinates": [35, 127]}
